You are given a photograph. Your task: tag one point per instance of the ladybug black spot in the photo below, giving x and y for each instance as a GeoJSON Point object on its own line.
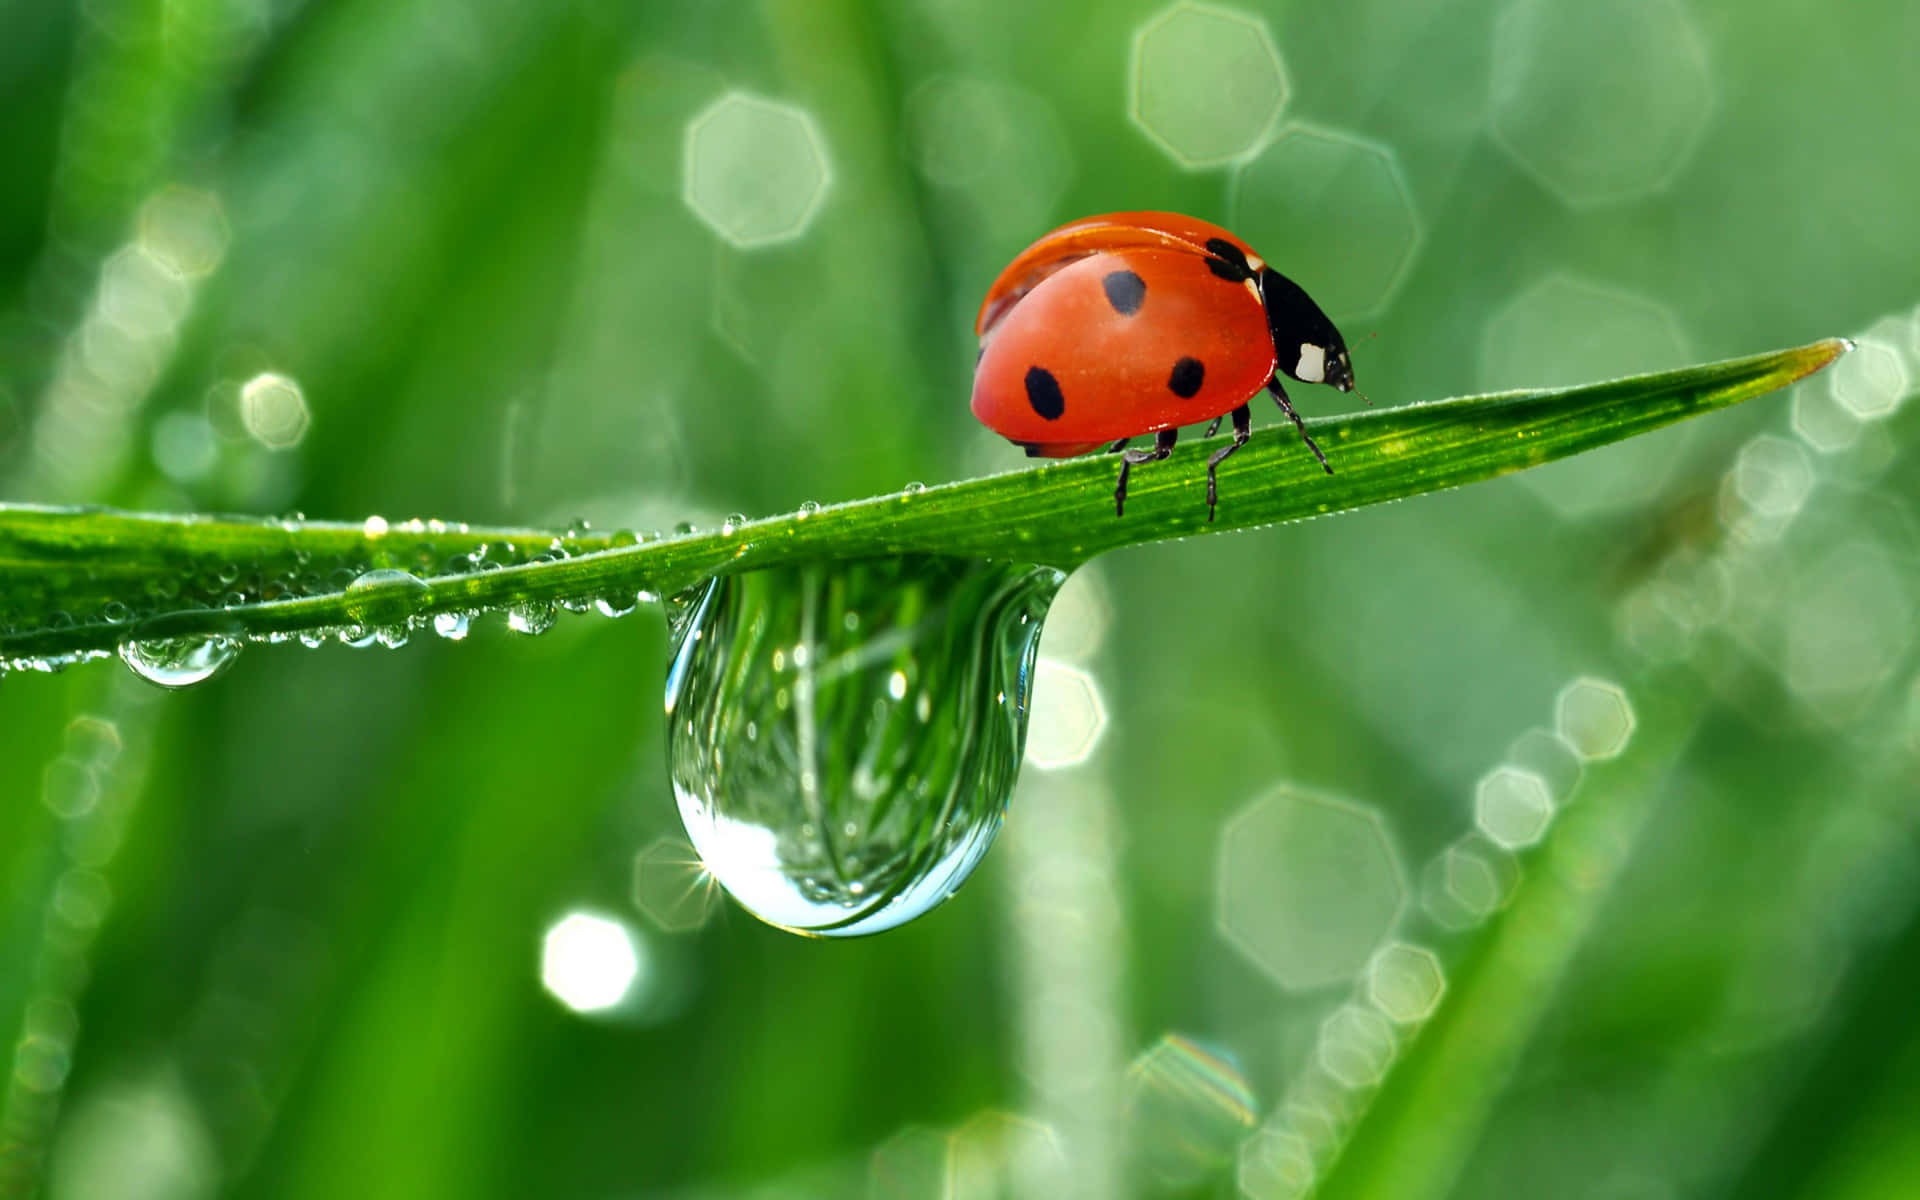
{"type": "Point", "coordinates": [1043, 392]}
{"type": "Point", "coordinates": [1227, 261]}
{"type": "Point", "coordinates": [1188, 375]}
{"type": "Point", "coordinates": [1125, 291]}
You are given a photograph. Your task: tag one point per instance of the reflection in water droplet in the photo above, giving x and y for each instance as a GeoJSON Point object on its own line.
{"type": "Point", "coordinates": [531, 618]}
{"type": "Point", "coordinates": [180, 662]}
{"type": "Point", "coordinates": [450, 625]}
{"type": "Point", "coordinates": [788, 728]}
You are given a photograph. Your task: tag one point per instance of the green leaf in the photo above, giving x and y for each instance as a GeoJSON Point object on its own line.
{"type": "Point", "coordinates": [82, 582]}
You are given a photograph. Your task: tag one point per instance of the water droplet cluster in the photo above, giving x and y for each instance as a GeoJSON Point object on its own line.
{"type": "Point", "coordinates": [382, 575]}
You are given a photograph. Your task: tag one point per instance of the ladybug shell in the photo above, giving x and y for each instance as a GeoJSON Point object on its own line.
{"type": "Point", "coordinates": [1077, 239]}
{"type": "Point", "coordinates": [1102, 331]}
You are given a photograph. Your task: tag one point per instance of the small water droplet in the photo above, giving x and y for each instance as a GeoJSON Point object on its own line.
{"type": "Point", "coordinates": [914, 488]}
{"type": "Point", "coordinates": [771, 767]}
{"type": "Point", "coordinates": [683, 528]}
{"type": "Point", "coordinates": [531, 618]}
{"type": "Point", "coordinates": [578, 527]}
{"type": "Point", "coordinates": [374, 526]}
{"type": "Point", "coordinates": [807, 509]}
{"type": "Point", "coordinates": [618, 604]}
{"type": "Point", "coordinates": [451, 625]}
{"type": "Point", "coordinates": [114, 612]}
{"type": "Point", "coordinates": [733, 522]}
{"type": "Point", "coordinates": [623, 537]}
{"type": "Point", "coordinates": [180, 662]}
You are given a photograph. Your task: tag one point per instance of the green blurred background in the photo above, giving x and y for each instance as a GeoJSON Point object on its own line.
{"type": "Point", "coordinates": [1552, 837]}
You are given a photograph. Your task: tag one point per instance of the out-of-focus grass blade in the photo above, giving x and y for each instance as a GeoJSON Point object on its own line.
{"type": "Point", "coordinates": [76, 581]}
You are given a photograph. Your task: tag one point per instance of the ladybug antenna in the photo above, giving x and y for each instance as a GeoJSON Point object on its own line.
{"type": "Point", "coordinates": [1363, 396]}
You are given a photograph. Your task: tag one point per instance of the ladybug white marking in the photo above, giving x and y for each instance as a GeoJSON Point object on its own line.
{"type": "Point", "coordinates": [1313, 364]}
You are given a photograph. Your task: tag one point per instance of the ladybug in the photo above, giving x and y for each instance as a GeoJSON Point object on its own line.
{"type": "Point", "coordinates": [1132, 323]}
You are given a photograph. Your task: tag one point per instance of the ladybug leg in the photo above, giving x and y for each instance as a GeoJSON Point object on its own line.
{"type": "Point", "coordinates": [1242, 430]}
{"type": "Point", "coordinates": [1118, 446]}
{"type": "Point", "coordinates": [1215, 427]}
{"type": "Point", "coordinates": [1286, 406]}
{"type": "Point", "coordinates": [1162, 446]}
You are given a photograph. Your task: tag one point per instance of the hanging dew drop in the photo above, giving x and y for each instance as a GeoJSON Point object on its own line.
{"type": "Point", "coordinates": [812, 785]}
{"type": "Point", "coordinates": [531, 618]}
{"type": "Point", "coordinates": [450, 625]}
{"type": "Point", "coordinates": [180, 662]}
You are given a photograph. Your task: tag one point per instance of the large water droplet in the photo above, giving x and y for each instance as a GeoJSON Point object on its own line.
{"type": "Point", "coordinates": [180, 662]}
{"type": "Point", "coordinates": [842, 776]}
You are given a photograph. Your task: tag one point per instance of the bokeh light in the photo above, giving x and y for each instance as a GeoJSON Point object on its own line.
{"type": "Point", "coordinates": [756, 169]}
{"type": "Point", "coordinates": [1333, 212]}
{"type": "Point", "coordinates": [1066, 716]}
{"type": "Point", "coordinates": [1187, 1108]}
{"type": "Point", "coordinates": [589, 962]}
{"type": "Point", "coordinates": [275, 410]}
{"type": "Point", "coordinates": [1206, 83]}
{"type": "Point", "coordinates": [1563, 330]}
{"type": "Point", "coordinates": [1405, 982]}
{"type": "Point", "coordinates": [1275, 1165]}
{"type": "Point", "coordinates": [1570, 81]}
{"type": "Point", "coordinates": [671, 886]}
{"type": "Point", "coordinates": [1595, 717]}
{"type": "Point", "coordinates": [1512, 806]}
{"type": "Point", "coordinates": [1357, 1045]}
{"type": "Point", "coordinates": [1307, 887]}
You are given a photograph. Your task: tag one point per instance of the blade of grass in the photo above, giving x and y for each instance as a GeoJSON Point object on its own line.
{"type": "Point", "coordinates": [80, 581]}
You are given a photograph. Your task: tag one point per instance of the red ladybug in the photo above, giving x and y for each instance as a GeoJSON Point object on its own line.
{"type": "Point", "coordinates": [1140, 322]}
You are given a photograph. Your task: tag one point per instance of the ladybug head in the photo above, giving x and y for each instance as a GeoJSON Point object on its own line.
{"type": "Point", "coordinates": [1306, 345]}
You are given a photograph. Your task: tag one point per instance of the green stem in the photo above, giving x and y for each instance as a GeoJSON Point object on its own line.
{"type": "Point", "coordinates": [76, 581]}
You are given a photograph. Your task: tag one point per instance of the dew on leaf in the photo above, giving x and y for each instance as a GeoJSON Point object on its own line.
{"type": "Point", "coordinates": [384, 596]}
{"type": "Point", "coordinates": [772, 765]}
{"type": "Point", "coordinates": [180, 662]}
{"type": "Point", "coordinates": [450, 625]}
{"type": "Point", "coordinates": [531, 618]}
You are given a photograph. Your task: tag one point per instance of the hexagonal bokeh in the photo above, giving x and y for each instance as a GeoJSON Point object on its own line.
{"type": "Point", "coordinates": [755, 170]}
{"type": "Point", "coordinates": [1065, 718]}
{"type": "Point", "coordinates": [1599, 101]}
{"type": "Point", "coordinates": [1206, 83]}
{"type": "Point", "coordinates": [999, 1153]}
{"type": "Point", "coordinates": [1467, 882]}
{"type": "Point", "coordinates": [998, 146]}
{"type": "Point", "coordinates": [1078, 621]}
{"type": "Point", "coordinates": [1595, 717]}
{"type": "Point", "coordinates": [1513, 806]}
{"type": "Point", "coordinates": [1820, 420]}
{"type": "Point", "coordinates": [1548, 755]}
{"type": "Point", "coordinates": [1405, 982]}
{"type": "Point", "coordinates": [672, 887]}
{"type": "Point", "coordinates": [1849, 625]}
{"type": "Point", "coordinates": [1187, 1107]}
{"type": "Point", "coordinates": [1772, 476]}
{"type": "Point", "coordinates": [1872, 381]}
{"type": "Point", "coordinates": [589, 962]}
{"type": "Point", "coordinates": [1563, 331]}
{"type": "Point", "coordinates": [1356, 1046]}
{"type": "Point", "coordinates": [1275, 1164]}
{"type": "Point", "coordinates": [909, 1165]}
{"type": "Point", "coordinates": [1307, 887]}
{"type": "Point", "coordinates": [1333, 213]}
